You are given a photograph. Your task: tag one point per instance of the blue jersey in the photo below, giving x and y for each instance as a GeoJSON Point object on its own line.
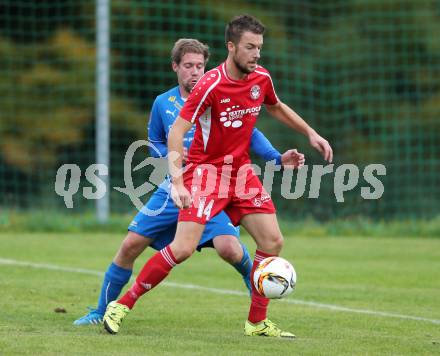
{"type": "Point", "coordinates": [164, 112]}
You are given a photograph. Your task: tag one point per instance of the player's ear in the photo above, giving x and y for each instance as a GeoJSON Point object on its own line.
{"type": "Point", "coordinates": [230, 46]}
{"type": "Point", "coordinates": [174, 65]}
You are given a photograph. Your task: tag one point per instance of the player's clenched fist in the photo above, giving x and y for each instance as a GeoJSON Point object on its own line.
{"type": "Point", "coordinates": [292, 159]}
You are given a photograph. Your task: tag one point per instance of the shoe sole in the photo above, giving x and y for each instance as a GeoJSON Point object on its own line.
{"type": "Point", "coordinates": [273, 337]}
{"type": "Point", "coordinates": [288, 337]}
{"type": "Point", "coordinates": [88, 323]}
{"type": "Point", "coordinates": [109, 330]}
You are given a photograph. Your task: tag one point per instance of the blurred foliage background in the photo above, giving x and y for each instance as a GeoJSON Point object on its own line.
{"type": "Point", "coordinates": [364, 73]}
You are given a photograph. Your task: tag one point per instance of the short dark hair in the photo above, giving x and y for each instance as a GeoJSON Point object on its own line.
{"type": "Point", "coordinates": [188, 45]}
{"type": "Point", "coordinates": [242, 23]}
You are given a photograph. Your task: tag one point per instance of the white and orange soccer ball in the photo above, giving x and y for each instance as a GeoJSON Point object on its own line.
{"type": "Point", "coordinates": [275, 278]}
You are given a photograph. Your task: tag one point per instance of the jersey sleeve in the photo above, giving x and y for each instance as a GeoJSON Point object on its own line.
{"type": "Point", "coordinates": [201, 97]}
{"type": "Point", "coordinates": [271, 97]}
{"type": "Point", "coordinates": [156, 131]}
{"type": "Point", "coordinates": [263, 148]}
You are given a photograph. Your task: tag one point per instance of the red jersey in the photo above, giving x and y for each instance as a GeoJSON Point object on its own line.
{"type": "Point", "coordinates": [225, 111]}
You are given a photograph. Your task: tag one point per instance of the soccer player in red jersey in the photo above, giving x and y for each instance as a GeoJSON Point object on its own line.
{"type": "Point", "coordinates": [224, 105]}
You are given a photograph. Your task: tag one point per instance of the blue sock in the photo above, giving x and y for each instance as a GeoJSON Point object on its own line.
{"type": "Point", "coordinates": [114, 280]}
{"type": "Point", "coordinates": [244, 267]}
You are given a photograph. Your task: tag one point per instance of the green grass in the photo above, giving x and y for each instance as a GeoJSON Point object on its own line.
{"type": "Point", "coordinates": [53, 221]}
{"type": "Point", "coordinates": [400, 276]}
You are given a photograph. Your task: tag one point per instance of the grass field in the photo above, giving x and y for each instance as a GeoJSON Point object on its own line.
{"type": "Point", "coordinates": [390, 289]}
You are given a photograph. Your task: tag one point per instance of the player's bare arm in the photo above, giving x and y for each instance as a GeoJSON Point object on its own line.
{"type": "Point", "coordinates": [285, 114]}
{"type": "Point", "coordinates": [179, 194]}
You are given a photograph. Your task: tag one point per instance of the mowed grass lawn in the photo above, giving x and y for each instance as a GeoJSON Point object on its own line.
{"type": "Point", "coordinates": [385, 284]}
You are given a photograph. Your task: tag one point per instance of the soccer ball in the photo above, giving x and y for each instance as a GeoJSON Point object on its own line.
{"type": "Point", "coordinates": [274, 278]}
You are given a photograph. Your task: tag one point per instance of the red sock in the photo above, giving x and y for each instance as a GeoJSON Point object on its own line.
{"type": "Point", "coordinates": [153, 272]}
{"type": "Point", "coordinates": [259, 304]}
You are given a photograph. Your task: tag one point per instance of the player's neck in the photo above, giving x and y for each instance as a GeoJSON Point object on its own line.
{"type": "Point", "coordinates": [232, 70]}
{"type": "Point", "coordinates": [183, 93]}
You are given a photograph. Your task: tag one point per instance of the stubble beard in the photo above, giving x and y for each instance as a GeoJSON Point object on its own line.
{"type": "Point", "coordinates": [188, 87]}
{"type": "Point", "coordinates": [240, 67]}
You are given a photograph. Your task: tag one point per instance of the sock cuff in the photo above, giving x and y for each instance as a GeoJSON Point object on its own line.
{"type": "Point", "coordinates": [167, 254]}
{"type": "Point", "coordinates": [260, 255]}
{"type": "Point", "coordinates": [118, 274]}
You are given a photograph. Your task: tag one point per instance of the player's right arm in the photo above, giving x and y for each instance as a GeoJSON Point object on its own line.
{"type": "Point", "coordinates": [180, 195]}
{"type": "Point", "coordinates": [195, 106]}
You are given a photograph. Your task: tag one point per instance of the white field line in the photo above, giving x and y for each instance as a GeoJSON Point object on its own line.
{"type": "Point", "coordinates": [10, 262]}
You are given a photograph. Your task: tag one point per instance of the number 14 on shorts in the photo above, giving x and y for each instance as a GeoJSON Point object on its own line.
{"type": "Point", "coordinates": [204, 208]}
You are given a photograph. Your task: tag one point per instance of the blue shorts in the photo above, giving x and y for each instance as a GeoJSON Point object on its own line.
{"type": "Point", "coordinates": [158, 221]}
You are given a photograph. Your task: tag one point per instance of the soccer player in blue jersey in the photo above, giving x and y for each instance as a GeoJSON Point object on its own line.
{"type": "Point", "coordinates": [189, 58]}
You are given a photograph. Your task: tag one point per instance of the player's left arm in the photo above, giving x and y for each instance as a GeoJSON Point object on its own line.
{"type": "Point", "coordinates": [261, 146]}
{"type": "Point", "coordinates": [285, 114]}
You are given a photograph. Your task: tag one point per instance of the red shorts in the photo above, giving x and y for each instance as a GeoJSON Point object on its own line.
{"type": "Point", "coordinates": [212, 191]}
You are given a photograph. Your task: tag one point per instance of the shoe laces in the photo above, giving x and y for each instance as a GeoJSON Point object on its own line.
{"type": "Point", "coordinates": [273, 327]}
{"type": "Point", "coordinates": [118, 313]}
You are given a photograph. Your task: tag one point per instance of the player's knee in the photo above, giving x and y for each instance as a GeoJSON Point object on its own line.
{"type": "Point", "coordinates": [229, 249]}
{"type": "Point", "coordinates": [185, 242]}
{"type": "Point", "coordinates": [131, 247]}
{"type": "Point", "coordinates": [278, 242]}
{"type": "Point", "coordinates": [182, 249]}
{"type": "Point", "coordinates": [273, 243]}
{"type": "Point", "coordinates": [183, 253]}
